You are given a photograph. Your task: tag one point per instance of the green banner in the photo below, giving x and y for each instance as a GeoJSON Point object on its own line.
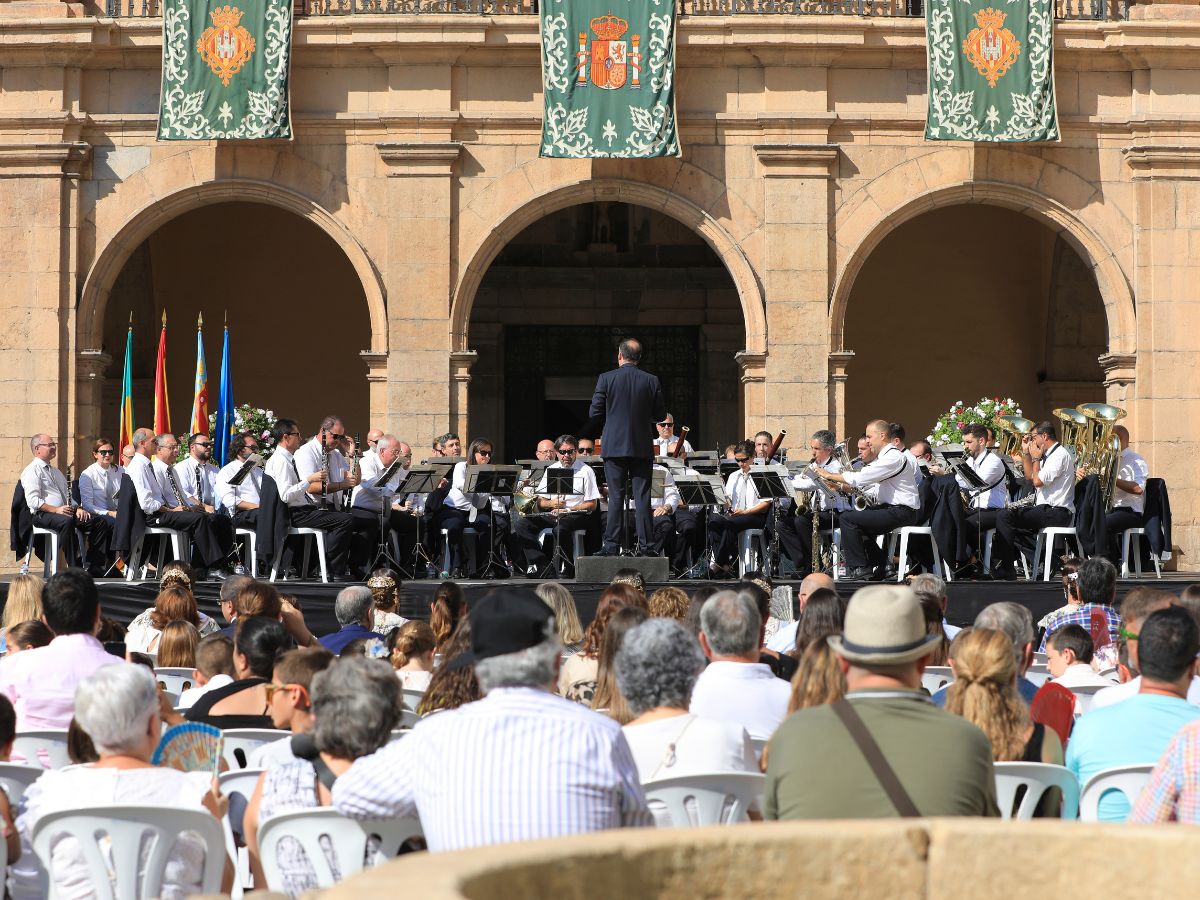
{"type": "Point", "coordinates": [991, 70]}
{"type": "Point", "coordinates": [608, 78]}
{"type": "Point", "coordinates": [225, 70]}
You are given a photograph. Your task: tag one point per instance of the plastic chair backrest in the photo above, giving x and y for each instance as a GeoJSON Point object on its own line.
{"type": "Point", "coordinates": [1084, 693]}
{"type": "Point", "coordinates": [934, 678]}
{"type": "Point", "coordinates": [1036, 778]}
{"type": "Point", "coordinates": [176, 679]}
{"type": "Point", "coordinates": [126, 826]}
{"type": "Point", "coordinates": [760, 744]}
{"type": "Point", "coordinates": [241, 742]}
{"type": "Point", "coordinates": [347, 837]}
{"type": "Point", "coordinates": [1054, 706]}
{"type": "Point", "coordinates": [242, 781]}
{"type": "Point", "coordinates": [412, 697]}
{"type": "Point", "coordinates": [52, 742]}
{"type": "Point", "coordinates": [408, 719]}
{"type": "Point", "coordinates": [1129, 780]}
{"type": "Point", "coordinates": [15, 779]}
{"type": "Point", "coordinates": [717, 798]}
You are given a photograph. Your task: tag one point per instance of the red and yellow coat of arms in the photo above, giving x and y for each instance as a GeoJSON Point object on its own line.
{"type": "Point", "coordinates": [611, 63]}
{"type": "Point", "coordinates": [991, 48]}
{"type": "Point", "coordinates": [226, 45]}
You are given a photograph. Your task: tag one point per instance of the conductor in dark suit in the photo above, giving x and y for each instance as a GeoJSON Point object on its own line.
{"type": "Point", "coordinates": [630, 401]}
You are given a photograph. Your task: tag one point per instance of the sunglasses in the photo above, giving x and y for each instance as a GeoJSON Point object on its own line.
{"type": "Point", "coordinates": [199, 444]}
{"type": "Point", "coordinates": [567, 452]}
{"type": "Point", "coordinates": [105, 452]}
{"type": "Point", "coordinates": [483, 452]}
{"type": "Point", "coordinates": [273, 687]}
{"type": "Point", "coordinates": [1127, 635]}
{"type": "Point", "coordinates": [741, 459]}
{"type": "Point", "coordinates": [664, 424]}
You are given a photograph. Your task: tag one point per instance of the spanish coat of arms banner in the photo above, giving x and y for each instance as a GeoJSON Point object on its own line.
{"type": "Point", "coordinates": [225, 70]}
{"type": "Point", "coordinates": [991, 70]}
{"type": "Point", "coordinates": [608, 78]}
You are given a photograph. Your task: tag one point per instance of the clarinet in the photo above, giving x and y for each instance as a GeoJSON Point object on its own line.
{"type": "Point", "coordinates": [356, 470]}
{"type": "Point", "coordinates": [324, 473]}
{"type": "Point", "coordinates": [71, 505]}
{"type": "Point", "coordinates": [175, 487]}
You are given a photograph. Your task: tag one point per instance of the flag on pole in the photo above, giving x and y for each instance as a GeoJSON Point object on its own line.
{"type": "Point", "coordinates": [162, 413]}
{"type": "Point", "coordinates": [128, 427]}
{"type": "Point", "coordinates": [223, 431]}
{"type": "Point", "coordinates": [199, 423]}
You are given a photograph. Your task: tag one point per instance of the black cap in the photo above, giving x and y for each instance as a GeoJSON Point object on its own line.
{"type": "Point", "coordinates": [507, 620]}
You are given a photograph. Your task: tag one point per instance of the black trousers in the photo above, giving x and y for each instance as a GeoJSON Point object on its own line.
{"type": "Point", "coordinates": [525, 536]}
{"type": "Point", "coordinates": [979, 522]}
{"type": "Point", "coordinates": [689, 535]}
{"type": "Point", "coordinates": [1020, 526]}
{"type": "Point", "coordinates": [640, 470]}
{"type": "Point", "coordinates": [795, 535]}
{"type": "Point", "coordinates": [1118, 520]}
{"type": "Point", "coordinates": [339, 530]}
{"type": "Point", "coordinates": [860, 528]}
{"type": "Point", "coordinates": [97, 528]}
{"type": "Point", "coordinates": [723, 533]}
{"type": "Point", "coordinates": [211, 534]}
{"type": "Point", "coordinates": [488, 523]}
{"type": "Point", "coordinates": [662, 532]}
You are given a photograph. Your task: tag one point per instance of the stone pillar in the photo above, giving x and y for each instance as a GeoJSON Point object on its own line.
{"type": "Point", "coordinates": [418, 277]}
{"type": "Point", "coordinates": [839, 362]}
{"type": "Point", "coordinates": [460, 383]}
{"type": "Point", "coordinates": [796, 285]}
{"type": "Point", "coordinates": [754, 376]}
{"type": "Point", "coordinates": [377, 381]}
{"type": "Point", "coordinates": [1120, 379]}
{"type": "Point", "coordinates": [90, 366]}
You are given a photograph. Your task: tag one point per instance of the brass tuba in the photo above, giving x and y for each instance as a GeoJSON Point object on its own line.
{"type": "Point", "coordinates": [1101, 452]}
{"type": "Point", "coordinates": [1075, 426]}
{"type": "Point", "coordinates": [1009, 431]}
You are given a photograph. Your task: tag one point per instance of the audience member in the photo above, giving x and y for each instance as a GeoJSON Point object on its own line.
{"type": "Point", "coordinates": [23, 603]}
{"type": "Point", "coordinates": [824, 615]}
{"type": "Point", "coordinates": [819, 679]}
{"type": "Point", "coordinates": [117, 705]}
{"type": "Point", "coordinates": [1135, 608]}
{"type": "Point", "coordinates": [385, 594]}
{"type": "Point", "coordinates": [243, 704]}
{"type": "Point", "coordinates": [27, 636]}
{"type": "Point", "coordinates": [448, 607]}
{"type": "Point", "coordinates": [80, 748]}
{"type": "Point", "coordinates": [354, 611]}
{"type": "Point", "coordinates": [578, 675]}
{"type": "Point", "coordinates": [177, 646]}
{"type": "Point", "coordinates": [8, 733]}
{"type": "Point", "coordinates": [41, 682]}
{"type": "Point", "coordinates": [943, 764]}
{"type": "Point", "coordinates": [633, 577]}
{"type": "Point", "coordinates": [1189, 599]}
{"type": "Point", "coordinates": [214, 668]}
{"type": "Point", "coordinates": [571, 768]}
{"type": "Point", "coordinates": [1069, 660]}
{"type": "Point", "coordinates": [932, 592]}
{"type": "Point", "coordinates": [452, 687]}
{"type": "Point", "coordinates": [174, 603]}
{"type": "Point", "coordinates": [291, 706]}
{"type": "Point", "coordinates": [735, 686]}
{"type": "Point", "coordinates": [1016, 621]}
{"type": "Point", "coordinates": [231, 587]}
{"type": "Point", "coordinates": [566, 616]}
{"type": "Point", "coordinates": [784, 640]}
{"type": "Point", "coordinates": [607, 698]}
{"type": "Point", "coordinates": [931, 610]}
{"type": "Point", "coordinates": [1138, 730]}
{"type": "Point", "coordinates": [1070, 585]}
{"type": "Point", "coordinates": [412, 646]}
{"type": "Point", "coordinates": [668, 602]}
{"type": "Point", "coordinates": [696, 604]}
{"type": "Point", "coordinates": [757, 589]}
{"type": "Point", "coordinates": [1097, 581]}
{"type": "Point", "coordinates": [1173, 791]}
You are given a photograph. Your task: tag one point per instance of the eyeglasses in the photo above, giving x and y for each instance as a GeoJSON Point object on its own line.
{"type": "Point", "coordinates": [200, 444]}
{"type": "Point", "coordinates": [664, 424]}
{"type": "Point", "coordinates": [290, 433]}
{"type": "Point", "coordinates": [741, 459]}
{"type": "Point", "coordinates": [1126, 635]}
{"type": "Point", "coordinates": [483, 452]}
{"type": "Point", "coordinates": [253, 448]}
{"type": "Point", "coordinates": [48, 444]}
{"type": "Point", "coordinates": [571, 452]}
{"type": "Point", "coordinates": [272, 687]}
{"type": "Point", "coordinates": [105, 452]}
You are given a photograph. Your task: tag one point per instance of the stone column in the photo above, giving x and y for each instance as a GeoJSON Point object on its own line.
{"type": "Point", "coordinates": [460, 383]}
{"type": "Point", "coordinates": [377, 381]}
{"type": "Point", "coordinates": [90, 366]}
{"type": "Point", "coordinates": [839, 362]}
{"type": "Point", "coordinates": [754, 368]}
{"type": "Point", "coordinates": [418, 279]}
{"type": "Point", "coordinates": [796, 283]}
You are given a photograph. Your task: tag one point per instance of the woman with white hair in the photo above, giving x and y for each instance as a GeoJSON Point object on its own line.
{"type": "Point", "coordinates": [118, 707]}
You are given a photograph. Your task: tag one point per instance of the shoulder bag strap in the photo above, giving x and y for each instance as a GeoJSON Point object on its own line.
{"type": "Point", "coordinates": [875, 759]}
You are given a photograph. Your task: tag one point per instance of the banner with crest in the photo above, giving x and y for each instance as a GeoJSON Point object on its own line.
{"type": "Point", "coordinates": [225, 70]}
{"type": "Point", "coordinates": [991, 70]}
{"type": "Point", "coordinates": [608, 78]}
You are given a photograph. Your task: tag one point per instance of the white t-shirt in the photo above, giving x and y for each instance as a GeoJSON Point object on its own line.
{"type": "Point", "coordinates": [191, 695]}
{"type": "Point", "coordinates": [275, 753]}
{"type": "Point", "coordinates": [747, 694]}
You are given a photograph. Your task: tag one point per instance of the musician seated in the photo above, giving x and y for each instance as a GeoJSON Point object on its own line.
{"type": "Point", "coordinates": [892, 472]}
{"type": "Point", "coordinates": [486, 514]}
{"type": "Point", "coordinates": [1129, 495]}
{"type": "Point", "coordinates": [587, 447]}
{"type": "Point", "coordinates": [240, 500]}
{"type": "Point", "coordinates": [763, 442]}
{"type": "Point", "coordinates": [745, 509]}
{"type": "Point", "coordinates": [371, 496]}
{"type": "Point", "coordinates": [99, 482]}
{"type": "Point", "coordinates": [986, 502]}
{"type": "Point", "coordinates": [48, 497]}
{"type": "Point", "coordinates": [563, 512]}
{"type": "Point", "coordinates": [922, 451]}
{"type": "Point", "coordinates": [302, 494]}
{"type": "Point", "coordinates": [664, 444]}
{"type": "Point", "coordinates": [795, 526]}
{"type": "Point", "coordinates": [662, 515]}
{"type": "Point", "coordinates": [331, 447]}
{"type": "Point", "coordinates": [1051, 470]}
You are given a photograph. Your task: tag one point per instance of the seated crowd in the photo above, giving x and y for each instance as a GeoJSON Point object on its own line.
{"type": "Point", "coordinates": [534, 726]}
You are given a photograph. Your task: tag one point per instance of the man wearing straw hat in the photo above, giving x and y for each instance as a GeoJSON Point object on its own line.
{"type": "Point", "coordinates": [885, 750]}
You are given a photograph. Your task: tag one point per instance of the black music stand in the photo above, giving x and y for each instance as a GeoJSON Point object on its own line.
{"type": "Point", "coordinates": [383, 553]}
{"type": "Point", "coordinates": [422, 479]}
{"type": "Point", "coordinates": [559, 482]}
{"type": "Point", "coordinates": [768, 484]}
{"type": "Point", "coordinates": [496, 481]}
{"type": "Point", "coordinates": [699, 491]}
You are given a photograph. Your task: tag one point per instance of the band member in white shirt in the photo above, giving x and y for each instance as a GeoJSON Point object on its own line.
{"type": "Point", "coordinates": [99, 482]}
{"type": "Point", "coordinates": [241, 500]}
{"type": "Point", "coordinates": [664, 443]}
{"type": "Point", "coordinates": [893, 474]}
{"type": "Point", "coordinates": [1129, 495]}
{"type": "Point", "coordinates": [486, 514]}
{"type": "Point", "coordinates": [331, 437]}
{"type": "Point", "coordinates": [371, 496]}
{"type": "Point", "coordinates": [48, 498]}
{"type": "Point", "coordinates": [302, 494]}
{"type": "Point", "coordinates": [763, 442]}
{"type": "Point", "coordinates": [1049, 467]}
{"type": "Point", "coordinates": [986, 503]}
{"type": "Point", "coordinates": [746, 510]}
{"type": "Point", "coordinates": [795, 529]}
{"type": "Point", "coordinates": [197, 475]}
{"type": "Point", "coordinates": [564, 512]}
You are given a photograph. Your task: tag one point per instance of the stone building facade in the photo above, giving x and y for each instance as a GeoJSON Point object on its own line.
{"type": "Point", "coordinates": [810, 261]}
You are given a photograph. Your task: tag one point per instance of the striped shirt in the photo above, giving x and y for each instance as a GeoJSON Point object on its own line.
{"type": "Point", "coordinates": [1173, 792]}
{"type": "Point", "coordinates": [520, 764]}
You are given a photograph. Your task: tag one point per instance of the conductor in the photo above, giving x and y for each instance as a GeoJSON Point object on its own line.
{"type": "Point", "coordinates": [630, 402]}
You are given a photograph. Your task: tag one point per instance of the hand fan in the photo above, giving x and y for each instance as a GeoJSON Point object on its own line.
{"type": "Point", "coordinates": [190, 747]}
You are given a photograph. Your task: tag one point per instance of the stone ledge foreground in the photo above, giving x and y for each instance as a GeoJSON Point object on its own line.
{"type": "Point", "coordinates": [927, 858]}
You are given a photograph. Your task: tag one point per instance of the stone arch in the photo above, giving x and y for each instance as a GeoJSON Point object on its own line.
{"type": "Point", "coordinates": [534, 207]}
{"type": "Point", "coordinates": [111, 259]}
{"type": "Point", "coordinates": [1110, 278]}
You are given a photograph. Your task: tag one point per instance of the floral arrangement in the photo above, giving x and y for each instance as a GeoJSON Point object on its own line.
{"type": "Point", "coordinates": [948, 429]}
{"type": "Point", "coordinates": [257, 421]}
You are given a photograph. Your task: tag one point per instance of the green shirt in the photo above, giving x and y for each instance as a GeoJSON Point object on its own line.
{"type": "Point", "coordinates": [816, 771]}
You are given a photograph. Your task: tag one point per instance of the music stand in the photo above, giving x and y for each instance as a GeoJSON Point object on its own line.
{"type": "Point", "coordinates": [559, 482]}
{"type": "Point", "coordinates": [726, 467]}
{"type": "Point", "coordinates": [704, 491]}
{"type": "Point", "coordinates": [496, 481]}
{"type": "Point", "coordinates": [769, 484]}
{"type": "Point", "coordinates": [421, 479]}
{"type": "Point", "coordinates": [383, 553]}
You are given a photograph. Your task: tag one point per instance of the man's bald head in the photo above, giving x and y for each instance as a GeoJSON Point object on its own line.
{"type": "Point", "coordinates": [814, 582]}
{"type": "Point", "coordinates": [545, 449]}
{"type": "Point", "coordinates": [374, 435]}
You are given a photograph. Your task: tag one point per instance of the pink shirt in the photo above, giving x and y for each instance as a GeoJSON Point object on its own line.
{"type": "Point", "coordinates": [41, 682]}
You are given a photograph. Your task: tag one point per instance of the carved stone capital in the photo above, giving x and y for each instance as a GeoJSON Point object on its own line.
{"type": "Point", "coordinates": [797, 160]}
{"type": "Point", "coordinates": [753, 366]}
{"type": "Point", "coordinates": [420, 159]}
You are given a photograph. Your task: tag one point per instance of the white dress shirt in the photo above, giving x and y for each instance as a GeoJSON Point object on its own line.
{"type": "Point", "coordinates": [44, 484]}
{"type": "Point", "coordinates": [893, 474]}
{"type": "Point", "coordinates": [162, 473]}
{"type": "Point", "coordinates": [230, 495]}
{"type": "Point", "coordinates": [98, 488]}
{"type": "Point", "coordinates": [198, 481]}
{"type": "Point", "coordinates": [521, 764]}
{"type": "Point", "coordinates": [990, 469]}
{"type": "Point", "coordinates": [740, 489]}
{"type": "Point", "coordinates": [670, 498]}
{"type": "Point", "coordinates": [1133, 468]}
{"type": "Point", "coordinates": [746, 693]}
{"type": "Point", "coordinates": [292, 489]}
{"type": "Point", "coordinates": [1057, 474]}
{"type": "Point", "coordinates": [584, 483]}
{"type": "Point", "coordinates": [369, 494]}
{"type": "Point", "coordinates": [802, 482]}
{"type": "Point", "coordinates": [661, 445]}
{"type": "Point", "coordinates": [456, 498]}
{"type": "Point", "coordinates": [146, 485]}
{"type": "Point", "coordinates": [308, 460]}
{"type": "Point", "coordinates": [1081, 675]}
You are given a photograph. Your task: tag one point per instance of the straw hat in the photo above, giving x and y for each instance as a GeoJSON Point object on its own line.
{"type": "Point", "coordinates": [884, 627]}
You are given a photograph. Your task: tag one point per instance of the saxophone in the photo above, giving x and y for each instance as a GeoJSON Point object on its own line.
{"type": "Point", "coordinates": [355, 470]}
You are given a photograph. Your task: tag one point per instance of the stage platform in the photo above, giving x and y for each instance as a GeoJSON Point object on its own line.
{"type": "Point", "coordinates": [123, 600]}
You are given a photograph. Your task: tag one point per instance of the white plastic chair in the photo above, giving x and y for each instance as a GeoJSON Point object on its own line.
{"type": "Point", "coordinates": [15, 779]}
{"type": "Point", "coordinates": [748, 556]}
{"type": "Point", "coordinates": [578, 542]}
{"type": "Point", "coordinates": [1131, 540]}
{"type": "Point", "coordinates": [412, 697]}
{"type": "Point", "coordinates": [718, 798]}
{"type": "Point", "coordinates": [52, 744]}
{"type": "Point", "coordinates": [408, 719]}
{"type": "Point", "coordinates": [469, 538]}
{"type": "Point", "coordinates": [1083, 696]}
{"type": "Point", "coordinates": [1036, 778]}
{"type": "Point", "coordinates": [304, 534]}
{"type": "Point", "coordinates": [1111, 673]}
{"type": "Point", "coordinates": [127, 826]}
{"type": "Point", "coordinates": [175, 679]}
{"type": "Point", "coordinates": [1037, 676]}
{"type": "Point", "coordinates": [759, 744]}
{"type": "Point", "coordinates": [247, 740]}
{"type": "Point", "coordinates": [934, 678]}
{"type": "Point", "coordinates": [49, 551]}
{"type": "Point", "coordinates": [835, 550]}
{"type": "Point", "coordinates": [1129, 780]}
{"type": "Point", "coordinates": [1043, 551]}
{"type": "Point", "coordinates": [136, 569]}
{"type": "Point", "coordinates": [241, 781]}
{"type": "Point", "coordinates": [347, 837]}
{"type": "Point", "coordinates": [249, 537]}
{"type": "Point", "coordinates": [900, 536]}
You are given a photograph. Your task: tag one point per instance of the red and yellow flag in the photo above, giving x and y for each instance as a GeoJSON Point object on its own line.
{"type": "Point", "coordinates": [162, 413]}
{"type": "Point", "coordinates": [199, 423]}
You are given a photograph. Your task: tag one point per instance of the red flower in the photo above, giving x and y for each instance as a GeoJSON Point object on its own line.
{"type": "Point", "coordinates": [961, 426]}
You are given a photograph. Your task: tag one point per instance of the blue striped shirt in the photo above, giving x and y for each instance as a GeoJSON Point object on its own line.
{"type": "Point", "coordinates": [518, 765]}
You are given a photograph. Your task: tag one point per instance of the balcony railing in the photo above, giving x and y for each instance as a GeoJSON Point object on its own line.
{"type": "Point", "coordinates": [1099, 10]}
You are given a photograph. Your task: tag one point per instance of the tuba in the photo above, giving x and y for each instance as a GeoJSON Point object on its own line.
{"type": "Point", "coordinates": [1101, 449]}
{"type": "Point", "coordinates": [1009, 431]}
{"type": "Point", "coordinates": [1074, 430]}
